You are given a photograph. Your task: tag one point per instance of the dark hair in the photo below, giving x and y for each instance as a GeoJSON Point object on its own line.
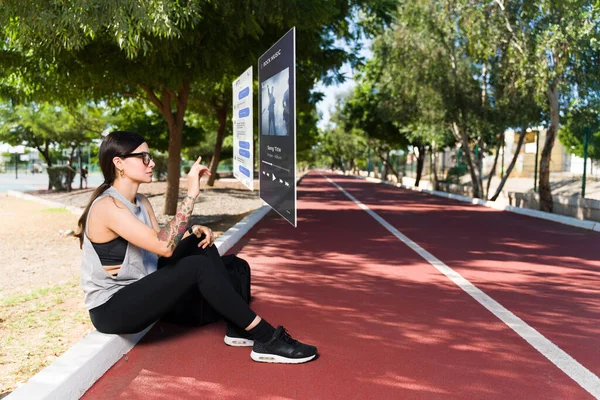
{"type": "Point", "coordinates": [114, 144]}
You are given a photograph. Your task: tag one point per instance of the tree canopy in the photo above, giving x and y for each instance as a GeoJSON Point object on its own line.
{"type": "Point", "coordinates": [161, 52]}
{"type": "Point", "coordinates": [476, 69]}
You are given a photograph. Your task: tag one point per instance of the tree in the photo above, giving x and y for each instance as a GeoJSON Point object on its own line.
{"type": "Point", "coordinates": [46, 126]}
{"type": "Point", "coordinates": [427, 78]}
{"type": "Point", "coordinates": [340, 145]}
{"type": "Point", "coordinates": [217, 104]}
{"type": "Point", "coordinates": [363, 112]}
{"type": "Point", "coordinates": [139, 116]}
{"type": "Point", "coordinates": [118, 49]}
{"type": "Point", "coordinates": [340, 149]}
{"type": "Point", "coordinates": [558, 41]}
{"type": "Point", "coordinates": [572, 134]}
{"type": "Point", "coordinates": [30, 126]}
{"type": "Point", "coordinates": [395, 92]}
{"type": "Point", "coordinates": [448, 66]}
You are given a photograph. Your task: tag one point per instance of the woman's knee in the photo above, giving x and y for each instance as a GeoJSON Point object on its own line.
{"type": "Point", "coordinates": [212, 251]}
{"type": "Point", "coordinates": [198, 264]}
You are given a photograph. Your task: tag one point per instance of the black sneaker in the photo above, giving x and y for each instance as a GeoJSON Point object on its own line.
{"type": "Point", "coordinates": [237, 337]}
{"type": "Point", "coordinates": [282, 348]}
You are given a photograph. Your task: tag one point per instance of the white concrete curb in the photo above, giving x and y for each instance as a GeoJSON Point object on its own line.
{"type": "Point", "coordinates": [229, 238]}
{"type": "Point", "coordinates": [561, 219]}
{"type": "Point", "coordinates": [25, 196]}
{"type": "Point", "coordinates": [74, 372]}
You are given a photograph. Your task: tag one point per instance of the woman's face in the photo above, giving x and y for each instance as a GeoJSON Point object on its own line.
{"type": "Point", "coordinates": [134, 166]}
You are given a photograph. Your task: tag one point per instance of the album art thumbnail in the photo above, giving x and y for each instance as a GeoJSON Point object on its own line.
{"type": "Point", "coordinates": [275, 105]}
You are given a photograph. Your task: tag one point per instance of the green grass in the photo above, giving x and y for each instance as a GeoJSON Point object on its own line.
{"type": "Point", "coordinates": [38, 308]}
{"type": "Point", "coordinates": [36, 294]}
{"type": "Point", "coordinates": [58, 210]}
{"type": "Point", "coordinates": [36, 327]}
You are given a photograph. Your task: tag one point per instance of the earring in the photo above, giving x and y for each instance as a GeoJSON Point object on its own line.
{"type": "Point", "coordinates": [122, 173]}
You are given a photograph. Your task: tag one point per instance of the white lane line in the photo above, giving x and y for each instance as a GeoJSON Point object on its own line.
{"type": "Point", "coordinates": [580, 374]}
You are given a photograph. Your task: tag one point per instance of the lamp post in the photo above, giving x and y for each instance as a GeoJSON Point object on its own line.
{"type": "Point", "coordinates": [16, 151]}
{"type": "Point", "coordinates": [80, 167]}
{"type": "Point", "coordinates": [586, 139]}
{"type": "Point", "coordinates": [368, 162]}
{"type": "Point", "coordinates": [537, 154]}
{"type": "Point", "coordinates": [502, 146]}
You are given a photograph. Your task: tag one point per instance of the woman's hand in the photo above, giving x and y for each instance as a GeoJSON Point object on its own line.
{"type": "Point", "coordinates": [209, 238]}
{"type": "Point", "coordinates": [196, 172]}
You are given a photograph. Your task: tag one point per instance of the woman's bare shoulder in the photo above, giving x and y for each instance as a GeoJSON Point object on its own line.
{"type": "Point", "coordinates": [146, 203]}
{"type": "Point", "coordinates": [104, 211]}
{"type": "Point", "coordinates": [107, 204]}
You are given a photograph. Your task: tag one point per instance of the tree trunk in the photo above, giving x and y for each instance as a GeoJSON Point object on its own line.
{"type": "Point", "coordinates": [46, 154]}
{"type": "Point", "coordinates": [462, 137]}
{"type": "Point", "coordinates": [511, 165]}
{"type": "Point", "coordinates": [493, 171]}
{"type": "Point", "coordinates": [175, 123]}
{"type": "Point", "coordinates": [70, 171]}
{"type": "Point", "coordinates": [480, 165]}
{"type": "Point", "coordinates": [216, 158]}
{"type": "Point", "coordinates": [481, 144]}
{"type": "Point", "coordinates": [175, 139]}
{"type": "Point", "coordinates": [420, 164]}
{"type": "Point", "coordinates": [384, 154]}
{"type": "Point", "coordinates": [395, 172]}
{"type": "Point", "coordinates": [384, 170]}
{"type": "Point", "coordinates": [173, 172]}
{"type": "Point", "coordinates": [80, 169]}
{"type": "Point", "coordinates": [544, 181]}
{"type": "Point", "coordinates": [436, 185]}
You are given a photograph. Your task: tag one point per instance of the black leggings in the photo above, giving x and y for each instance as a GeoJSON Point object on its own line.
{"type": "Point", "coordinates": [190, 274]}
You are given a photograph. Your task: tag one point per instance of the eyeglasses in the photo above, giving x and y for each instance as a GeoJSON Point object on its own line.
{"type": "Point", "coordinates": [146, 157]}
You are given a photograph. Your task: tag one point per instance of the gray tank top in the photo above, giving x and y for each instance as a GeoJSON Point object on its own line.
{"type": "Point", "coordinates": [98, 285]}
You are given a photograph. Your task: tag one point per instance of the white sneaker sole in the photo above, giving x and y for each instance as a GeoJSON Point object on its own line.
{"type": "Point", "coordinates": [272, 358]}
{"type": "Point", "coordinates": [238, 342]}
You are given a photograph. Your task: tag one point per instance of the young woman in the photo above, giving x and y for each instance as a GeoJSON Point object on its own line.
{"type": "Point", "coordinates": [126, 290]}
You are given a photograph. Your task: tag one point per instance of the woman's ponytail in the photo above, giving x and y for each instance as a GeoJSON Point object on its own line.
{"type": "Point", "coordinates": [83, 219]}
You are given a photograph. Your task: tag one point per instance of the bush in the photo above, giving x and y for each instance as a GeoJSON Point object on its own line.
{"type": "Point", "coordinates": [453, 175]}
{"type": "Point", "coordinates": [186, 169]}
{"type": "Point", "coordinates": [59, 177]}
{"type": "Point", "coordinates": [302, 166]}
{"type": "Point", "coordinates": [161, 167]}
{"type": "Point", "coordinates": [227, 163]}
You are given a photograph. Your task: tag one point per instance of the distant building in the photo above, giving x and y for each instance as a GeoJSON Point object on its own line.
{"type": "Point", "coordinates": [560, 159]}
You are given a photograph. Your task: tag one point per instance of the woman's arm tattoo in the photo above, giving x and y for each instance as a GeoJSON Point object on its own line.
{"type": "Point", "coordinates": [173, 232]}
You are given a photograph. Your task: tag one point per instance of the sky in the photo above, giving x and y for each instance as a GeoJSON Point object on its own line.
{"type": "Point", "coordinates": [327, 104]}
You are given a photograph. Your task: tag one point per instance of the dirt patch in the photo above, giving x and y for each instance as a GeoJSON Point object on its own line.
{"type": "Point", "coordinates": [34, 254]}
{"type": "Point", "coordinates": [38, 326]}
{"type": "Point", "coordinates": [41, 307]}
{"type": "Point", "coordinates": [41, 303]}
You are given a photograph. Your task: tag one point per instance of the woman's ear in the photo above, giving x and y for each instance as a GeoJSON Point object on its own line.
{"type": "Point", "coordinates": [118, 162]}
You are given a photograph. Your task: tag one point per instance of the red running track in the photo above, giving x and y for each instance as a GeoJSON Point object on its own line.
{"type": "Point", "coordinates": [387, 323]}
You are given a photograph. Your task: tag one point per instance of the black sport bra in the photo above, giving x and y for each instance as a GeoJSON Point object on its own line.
{"type": "Point", "coordinates": [113, 252]}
